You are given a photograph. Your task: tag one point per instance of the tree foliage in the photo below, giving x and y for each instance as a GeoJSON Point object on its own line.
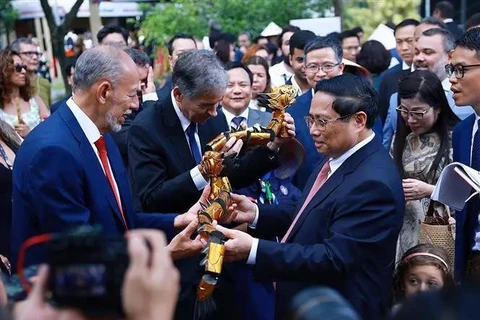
{"type": "Point", "coordinates": [192, 16]}
{"type": "Point", "coordinates": [370, 13]}
{"type": "Point", "coordinates": [8, 15]}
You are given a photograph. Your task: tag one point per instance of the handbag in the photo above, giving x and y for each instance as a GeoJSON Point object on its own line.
{"type": "Point", "coordinates": [438, 228]}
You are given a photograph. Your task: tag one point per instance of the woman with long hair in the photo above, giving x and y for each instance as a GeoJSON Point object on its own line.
{"type": "Point", "coordinates": [19, 107]}
{"type": "Point", "coordinates": [422, 147]}
{"type": "Point", "coordinates": [261, 79]}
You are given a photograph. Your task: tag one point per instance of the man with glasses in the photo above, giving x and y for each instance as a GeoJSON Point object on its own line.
{"type": "Point", "coordinates": [344, 231]}
{"type": "Point", "coordinates": [30, 56]}
{"type": "Point", "coordinates": [464, 73]}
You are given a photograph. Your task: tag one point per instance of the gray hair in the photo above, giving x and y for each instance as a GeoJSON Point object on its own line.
{"type": "Point", "coordinates": [197, 72]}
{"type": "Point", "coordinates": [434, 22]}
{"type": "Point", "coordinates": [140, 58]}
{"type": "Point", "coordinates": [447, 36]}
{"type": "Point", "coordinates": [15, 46]}
{"type": "Point", "coordinates": [102, 62]}
{"type": "Point", "coordinates": [8, 134]}
{"type": "Point", "coordinates": [325, 42]}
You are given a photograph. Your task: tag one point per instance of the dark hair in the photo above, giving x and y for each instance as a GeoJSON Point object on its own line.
{"type": "Point", "coordinates": [300, 39]}
{"type": "Point", "coordinates": [257, 60]}
{"type": "Point", "coordinates": [426, 87]}
{"type": "Point", "coordinates": [222, 50]}
{"type": "Point", "coordinates": [445, 8]}
{"type": "Point", "coordinates": [357, 30]}
{"type": "Point", "coordinates": [352, 94]}
{"type": "Point", "coordinates": [105, 31]}
{"type": "Point", "coordinates": [325, 42]}
{"type": "Point", "coordinates": [178, 36]}
{"type": "Point", "coordinates": [7, 68]}
{"type": "Point", "coordinates": [246, 33]}
{"type": "Point", "coordinates": [348, 34]}
{"type": "Point", "coordinates": [140, 58]}
{"type": "Point", "coordinates": [406, 23]}
{"type": "Point", "coordinates": [473, 21]}
{"type": "Point", "coordinates": [69, 70]}
{"type": "Point", "coordinates": [334, 35]}
{"type": "Point", "coordinates": [252, 50]}
{"type": "Point", "coordinates": [374, 57]}
{"type": "Point", "coordinates": [434, 22]}
{"type": "Point", "coordinates": [470, 40]}
{"type": "Point", "coordinates": [287, 28]}
{"type": "Point", "coordinates": [228, 37]}
{"type": "Point", "coordinates": [422, 260]}
{"type": "Point", "coordinates": [448, 37]}
{"type": "Point", "coordinates": [238, 65]}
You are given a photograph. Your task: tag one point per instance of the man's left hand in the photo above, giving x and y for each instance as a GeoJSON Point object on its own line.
{"type": "Point", "coordinates": [149, 87]}
{"type": "Point", "coordinates": [182, 245]}
{"type": "Point", "coordinates": [238, 246]}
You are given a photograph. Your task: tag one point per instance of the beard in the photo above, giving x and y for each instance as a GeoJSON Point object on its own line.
{"type": "Point", "coordinates": [112, 123]}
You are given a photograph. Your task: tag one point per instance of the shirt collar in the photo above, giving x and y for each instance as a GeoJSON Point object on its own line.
{"type": "Point", "coordinates": [448, 20]}
{"type": "Point", "coordinates": [405, 66]}
{"type": "Point", "coordinates": [184, 121]}
{"type": "Point", "coordinates": [229, 116]}
{"type": "Point", "coordinates": [446, 85]}
{"type": "Point", "coordinates": [337, 162]}
{"type": "Point", "coordinates": [87, 125]}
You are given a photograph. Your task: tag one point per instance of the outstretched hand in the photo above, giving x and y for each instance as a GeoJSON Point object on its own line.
{"type": "Point", "coordinates": [238, 245]}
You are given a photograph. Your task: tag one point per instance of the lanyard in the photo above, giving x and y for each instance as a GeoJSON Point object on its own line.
{"type": "Point", "coordinates": [5, 157]}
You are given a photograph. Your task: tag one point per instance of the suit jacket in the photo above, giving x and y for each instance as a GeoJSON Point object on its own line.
{"type": "Point", "coordinates": [58, 184]}
{"type": "Point", "coordinates": [467, 219]}
{"type": "Point", "coordinates": [257, 116]}
{"type": "Point", "coordinates": [388, 86]}
{"type": "Point", "coordinates": [455, 29]}
{"type": "Point", "coordinates": [160, 159]}
{"type": "Point", "coordinates": [299, 110]}
{"type": "Point", "coordinates": [344, 239]}
{"type": "Point", "coordinates": [164, 92]}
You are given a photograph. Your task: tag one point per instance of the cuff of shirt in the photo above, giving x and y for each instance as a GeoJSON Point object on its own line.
{"type": "Point", "coordinates": [253, 225]}
{"type": "Point", "coordinates": [152, 96]}
{"type": "Point", "coordinates": [252, 256]}
{"type": "Point", "coordinates": [198, 179]}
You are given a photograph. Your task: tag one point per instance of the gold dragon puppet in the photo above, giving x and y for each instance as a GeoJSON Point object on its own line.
{"type": "Point", "coordinates": [213, 167]}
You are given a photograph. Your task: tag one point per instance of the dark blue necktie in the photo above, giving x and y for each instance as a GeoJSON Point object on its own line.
{"type": "Point", "coordinates": [192, 128]}
{"type": "Point", "coordinates": [237, 121]}
{"type": "Point", "coordinates": [476, 149]}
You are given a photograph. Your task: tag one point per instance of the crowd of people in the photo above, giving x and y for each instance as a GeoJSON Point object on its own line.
{"type": "Point", "coordinates": [324, 222]}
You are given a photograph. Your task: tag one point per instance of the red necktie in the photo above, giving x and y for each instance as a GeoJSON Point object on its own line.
{"type": "Point", "coordinates": [102, 151]}
{"type": "Point", "coordinates": [321, 178]}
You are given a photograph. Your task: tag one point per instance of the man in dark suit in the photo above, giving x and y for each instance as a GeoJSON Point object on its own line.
{"type": "Point", "coordinates": [69, 172]}
{"type": "Point", "coordinates": [464, 74]}
{"type": "Point", "coordinates": [344, 231]}
{"type": "Point", "coordinates": [179, 43]}
{"type": "Point", "coordinates": [404, 37]}
{"type": "Point", "coordinates": [445, 11]}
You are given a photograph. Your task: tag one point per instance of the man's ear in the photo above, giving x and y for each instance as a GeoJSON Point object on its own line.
{"type": "Point", "coordinates": [177, 94]}
{"type": "Point", "coordinates": [103, 91]}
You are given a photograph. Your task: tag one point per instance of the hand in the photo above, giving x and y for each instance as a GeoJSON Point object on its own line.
{"type": "Point", "coordinates": [242, 209]}
{"type": "Point", "coordinates": [232, 146]}
{"type": "Point", "coordinates": [22, 129]}
{"type": "Point", "coordinates": [182, 246]}
{"type": "Point", "coordinates": [149, 87]}
{"type": "Point", "coordinates": [35, 306]}
{"type": "Point", "coordinates": [238, 246]}
{"type": "Point", "coordinates": [6, 263]}
{"type": "Point", "coordinates": [183, 220]}
{"type": "Point", "coordinates": [289, 123]}
{"type": "Point", "coordinates": [151, 284]}
{"type": "Point", "coordinates": [416, 189]}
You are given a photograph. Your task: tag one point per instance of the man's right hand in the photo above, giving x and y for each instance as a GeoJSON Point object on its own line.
{"type": "Point", "coordinates": [243, 208]}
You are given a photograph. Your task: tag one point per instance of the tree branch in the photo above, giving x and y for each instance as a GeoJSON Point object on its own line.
{"type": "Point", "coordinates": [47, 10]}
{"type": "Point", "coordinates": [72, 14]}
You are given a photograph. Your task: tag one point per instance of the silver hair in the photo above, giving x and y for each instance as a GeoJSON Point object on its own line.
{"type": "Point", "coordinates": [102, 62]}
{"type": "Point", "coordinates": [197, 72]}
{"type": "Point", "coordinates": [8, 134]}
{"type": "Point", "coordinates": [15, 46]}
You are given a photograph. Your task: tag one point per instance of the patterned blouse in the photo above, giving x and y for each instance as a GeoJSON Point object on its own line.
{"type": "Point", "coordinates": [30, 118]}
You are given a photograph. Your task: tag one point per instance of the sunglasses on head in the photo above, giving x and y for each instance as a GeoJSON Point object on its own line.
{"type": "Point", "coordinates": [19, 67]}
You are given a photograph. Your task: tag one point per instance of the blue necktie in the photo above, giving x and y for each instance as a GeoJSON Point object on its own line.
{"type": "Point", "coordinates": [192, 128]}
{"type": "Point", "coordinates": [476, 149]}
{"type": "Point", "coordinates": [237, 121]}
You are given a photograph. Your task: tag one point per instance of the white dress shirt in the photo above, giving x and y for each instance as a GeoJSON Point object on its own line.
{"type": "Point", "coordinates": [229, 116]}
{"type": "Point", "coordinates": [279, 74]}
{"type": "Point", "coordinates": [334, 165]}
{"type": "Point", "coordinates": [93, 134]}
{"type": "Point", "coordinates": [197, 177]}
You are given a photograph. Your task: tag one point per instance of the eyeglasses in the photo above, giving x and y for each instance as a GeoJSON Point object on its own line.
{"type": "Point", "coordinates": [417, 115]}
{"type": "Point", "coordinates": [20, 67]}
{"type": "Point", "coordinates": [30, 54]}
{"type": "Point", "coordinates": [321, 123]}
{"type": "Point", "coordinates": [458, 70]}
{"type": "Point", "coordinates": [327, 67]}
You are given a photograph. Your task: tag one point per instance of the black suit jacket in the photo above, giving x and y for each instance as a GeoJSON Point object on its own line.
{"type": "Point", "coordinates": [160, 159]}
{"type": "Point", "coordinates": [455, 29]}
{"type": "Point", "coordinates": [164, 92]}
{"type": "Point", "coordinates": [388, 86]}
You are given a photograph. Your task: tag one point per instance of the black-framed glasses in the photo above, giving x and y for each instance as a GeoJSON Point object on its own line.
{"type": "Point", "coordinates": [458, 69]}
{"type": "Point", "coordinates": [326, 67]}
{"type": "Point", "coordinates": [417, 115]}
{"type": "Point", "coordinates": [30, 53]}
{"type": "Point", "coordinates": [20, 67]}
{"type": "Point", "coordinates": [322, 123]}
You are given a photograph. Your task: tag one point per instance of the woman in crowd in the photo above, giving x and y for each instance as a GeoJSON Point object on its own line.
{"type": "Point", "coordinates": [422, 147]}
{"type": "Point", "coordinates": [18, 105]}
{"type": "Point", "coordinates": [375, 58]}
{"type": "Point", "coordinates": [260, 51]}
{"type": "Point", "coordinates": [224, 51]}
{"type": "Point", "coordinates": [261, 79]}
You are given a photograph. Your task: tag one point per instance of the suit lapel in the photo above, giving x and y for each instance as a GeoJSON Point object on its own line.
{"type": "Point", "coordinates": [466, 147]}
{"type": "Point", "coordinates": [334, 181]}
{"type": "Point", "coordinates": [176, 135]}
{"type": "Point", "coordinates": [253, 118]}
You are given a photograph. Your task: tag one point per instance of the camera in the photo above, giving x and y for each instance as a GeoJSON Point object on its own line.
{"type": "Point", "coordinates": [87, 268]}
